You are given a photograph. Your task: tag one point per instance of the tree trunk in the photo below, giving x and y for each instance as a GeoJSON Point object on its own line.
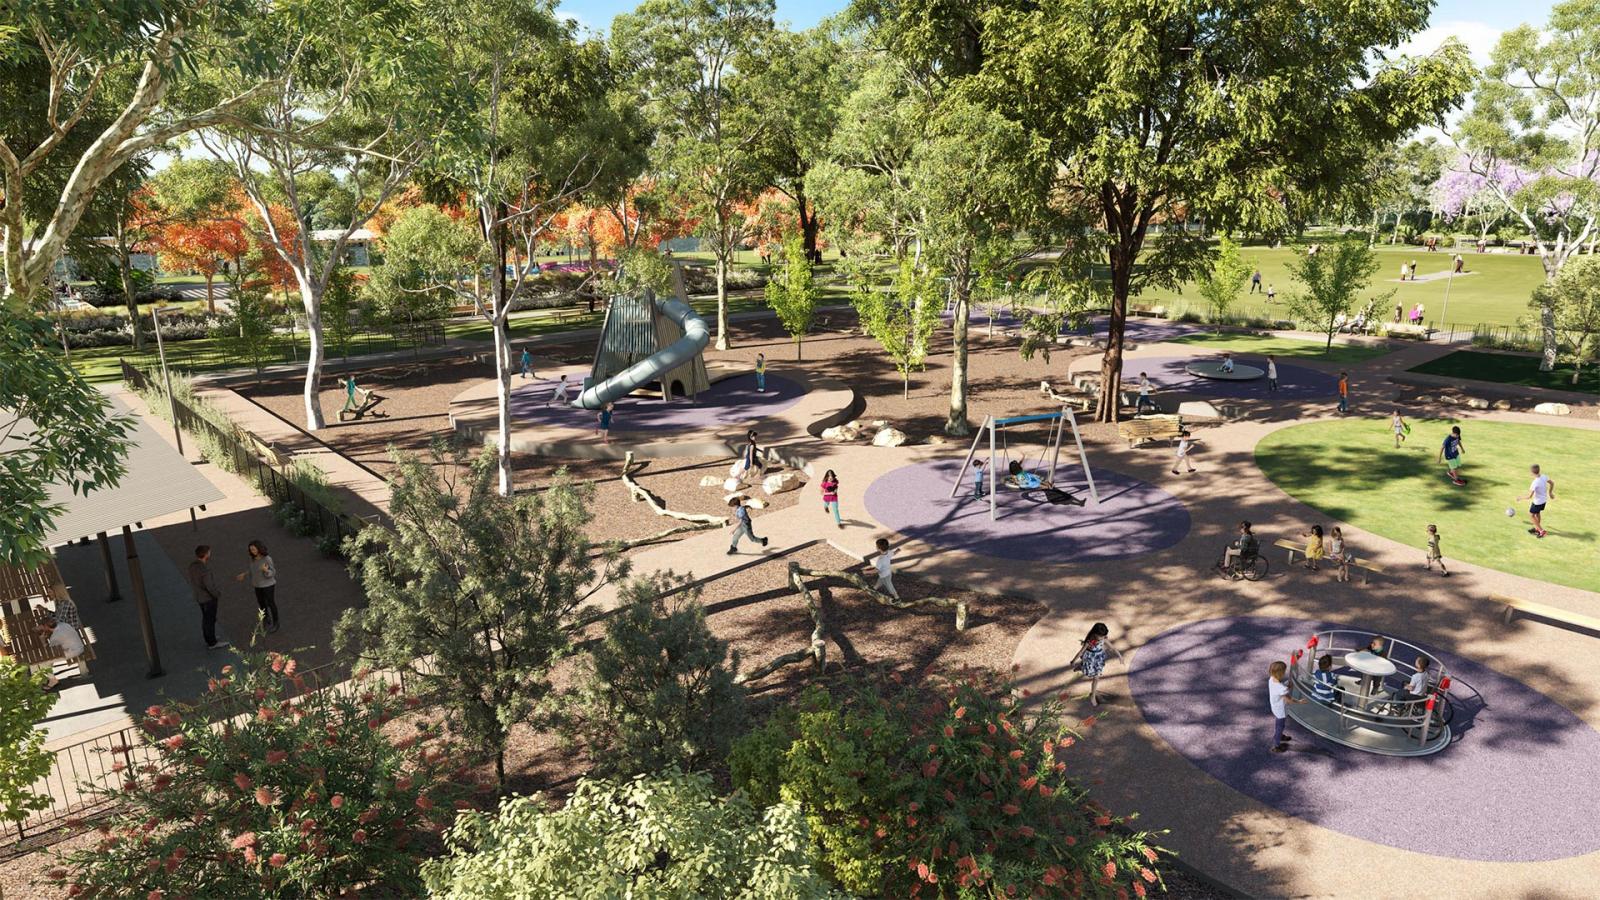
{"type": "Point", "coordinates": [211, 296]}
{"type": "Point", "coordinates": [311, 296]}
{"type": "Point", "coordinates": [905, 386]}
{"type": "Point", "coordinates": [809, 226]}
{"type": "Point", "coordinates": [961, 285]}
{"type": "Point", "coordinates": [125, 275]}
{"type": "Point", "coordinates": [502, 356]}
{"type": "Point", "coordinates": [1109, 407]}
{"type": "Point", "coordinates": [1547, 314]}
{"type": "Point", "coordinates": [722, 303]}
{"type": "Point", "coordinates": [797, 339]}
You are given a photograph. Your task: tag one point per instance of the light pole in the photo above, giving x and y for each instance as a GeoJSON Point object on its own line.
{"type": "Point", "coordinates": [1444, 316]}
{"type": "Point", "coordinates": [166, 375]}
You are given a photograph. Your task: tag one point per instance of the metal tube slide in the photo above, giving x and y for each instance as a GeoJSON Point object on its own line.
{"type": "Point", "coordinates": [695, 337]}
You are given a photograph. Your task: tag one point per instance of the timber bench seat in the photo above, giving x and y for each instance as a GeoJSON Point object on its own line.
{"type": "Point", "coordinates": [1514, 605]}
{"type": "Point", "coordinates": [1150, 428]}
{"type": "Point", "coordinates": [1368, 567]}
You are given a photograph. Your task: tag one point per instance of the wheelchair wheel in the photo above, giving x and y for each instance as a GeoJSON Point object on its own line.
{"type": "Point", "coordinates": [1255, 569]}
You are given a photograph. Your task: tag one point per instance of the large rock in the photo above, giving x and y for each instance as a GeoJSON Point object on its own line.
{"type": "Point", "coordinates": [1477, 403]}
{"type": "Point", "coordinates": [710, 481]}
{"type": "Point", "coordinates": [889, 437]}
{"type": "Point", "coordinates": [782, 481]}
{"type": "Point", "coordinates": [1553, 409]}
{"type": "Point", "coordinates": [849, 431]}
{"type": "Point", "coordinates": [1198, 409]}
{"type": "Point", "coordinates": [732, 484]}
{"type": "Point", "coordinates": [1500, 404]}
{"type": "Point", "coordinates": [879, 424]}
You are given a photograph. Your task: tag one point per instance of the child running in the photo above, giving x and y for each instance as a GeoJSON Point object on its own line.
{"type": "Point", "coordinates": [1185, 444]}
{"type": "Point", "coordinates": [1434, 556]}
{"type": "Point", "coordinates": [1277, 696]}
{"type": "Point", "coordinates": [1091, 658]}
{"type": "Point", "coordinates": [885, 566]}
{"type": "Point", "coordinates": [1450, 454]}
{"type": "Point", "coordinates": [1401, 429]}
{"type": "Point", "coordinates": [1314, 549]}
{"type": "Point", "coordinates": [1540, 492]}
{"type": "Point", "coordinates": [1338, 554]}
{"type": "Point", "coordinates": [560, 396]}
{"type": "Point", "coordinates": [830, 496]}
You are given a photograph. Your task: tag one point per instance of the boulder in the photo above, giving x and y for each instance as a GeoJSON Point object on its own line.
{"type": "Point", "coordinates": [732, 484]}
{"type": "Point", "coordinates": [756, 503]}
{"type": "Point", "coordinates": [889, 437]}
{"type": "Point", "coordinates": [728, 498]}
{"type": "Point", "coordinates": [782, 481]}
{"type": "Point", "coordinates": [878, 424]}
{"type": "Point", "coordinates": [710, 481]}
{"type": "Point", "coordinates": [1553, 409]}
{"type": "Point", "coordinates": [1199, 409]}
{"type": "Point", "coordinates": [842, 433]}
{"type": "Point", "coordinates": [1476, 403]}
{"type": "Point", "coordinates": [1500, 404]}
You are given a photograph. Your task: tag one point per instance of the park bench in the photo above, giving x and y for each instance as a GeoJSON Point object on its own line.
{"type": "Point", "coordinates": [1368, 567]}
{"type": "Point", "coordinates": [1514, 605]}
{"type": "Point", "coordinates": [1150, 428]}
{"type": "Point", "coordinates": [1156, 312]}
{"type": "Point", "coordinates": [1410, 332]}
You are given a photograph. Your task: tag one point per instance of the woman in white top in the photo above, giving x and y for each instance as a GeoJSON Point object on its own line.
{"type": "Point", "coordinates": [66, 641]}
{"type": "Point", "coordinates": [263, 575]}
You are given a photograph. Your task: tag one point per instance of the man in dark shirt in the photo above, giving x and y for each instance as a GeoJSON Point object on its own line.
{"type": "Point", "coordinates": [204, 588]}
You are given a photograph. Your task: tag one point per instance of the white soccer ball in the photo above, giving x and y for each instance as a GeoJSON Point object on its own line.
{"type": "Point", "coordinates": [1510, 511]}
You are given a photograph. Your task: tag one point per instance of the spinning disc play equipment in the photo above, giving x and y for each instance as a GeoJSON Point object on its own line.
{"type": "Point", "coordinates": [1370, 711]}
{"type": "Point", "coordinates": [1000, 452]}
{"type": "Point", "coordinates": [1215, 370]}
{"type": "Point", "coordinates": [645, 340]}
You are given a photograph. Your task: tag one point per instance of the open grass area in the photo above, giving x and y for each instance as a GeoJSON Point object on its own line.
{"type": "Point", "coordinates": [1495, 291]}
{"type": "Point", "coordinates": [1505, 368]}
{"type": "Point", "coordinates": [1289, 348]}
{"type": "Point", "coordinates": [1350, 470]}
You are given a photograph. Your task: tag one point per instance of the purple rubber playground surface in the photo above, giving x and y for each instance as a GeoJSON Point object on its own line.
{"type": "Point", "coordinates": [1519, 782]}
{"type": "Point", "coordinates": [1132, 519]}
{"type": "Point", "coordinates": [731, 401]}
{"type": "Point", "coordinates": [1167, 373]}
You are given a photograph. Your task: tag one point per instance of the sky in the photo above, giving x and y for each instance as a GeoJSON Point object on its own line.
{"type": "Point", "coordinates": [1476, 22]}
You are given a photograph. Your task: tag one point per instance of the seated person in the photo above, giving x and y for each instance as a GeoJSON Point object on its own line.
{"type": "Point", "coordinates": [1378, 646]}
{"type": "Point", "coordinates": [1418, 685]}
{"type": "Point", "coordinates": [1227, 362]}
{"type": "Point", "coordinates": [1024, 479]}
{"type": "Point", "coordinates": [1245, 546]}
{"type": "Point", "coordinates": [1325, 684]}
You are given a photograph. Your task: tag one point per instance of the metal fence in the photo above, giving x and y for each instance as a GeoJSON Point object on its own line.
{"type": "Point", "coordinates": [244, 453]}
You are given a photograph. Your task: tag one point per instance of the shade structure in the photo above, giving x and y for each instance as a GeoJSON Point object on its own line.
{"type": "Point", "coordinates": [158, 481]}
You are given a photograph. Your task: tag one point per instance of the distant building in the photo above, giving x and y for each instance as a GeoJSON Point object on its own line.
{"type": "Point", "coordinates": [357, 250]}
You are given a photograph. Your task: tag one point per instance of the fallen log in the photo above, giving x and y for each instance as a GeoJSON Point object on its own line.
{"type": "Point", "coordinates": [640, 493]}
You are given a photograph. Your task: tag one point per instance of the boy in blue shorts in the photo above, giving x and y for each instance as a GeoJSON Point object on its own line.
{"type": "Point", "coordinates": [1450, 454]}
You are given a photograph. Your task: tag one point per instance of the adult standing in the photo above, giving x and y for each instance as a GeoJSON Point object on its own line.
{"type": "Point", "coordinates": [1460, 263]}
{"type": "Point", "coordinates": [1540, 492]}
{"type": "Point", "coordinates": [1255, 280]}
{"type": "Point", "coordinates": [203, 587]}
{"type": "Point", "coordinates": [761, 373]}
{"type": "Point", "coordinates": [754, 460]}
{"type": "Point", "coordinates": [263, 575]}
{"type": "Point", "coordinates": [1272, 373]}
{"type": "Point", "coordinates": [742, 525]}
{"type": "Point", "coordinates": [1450, 454]}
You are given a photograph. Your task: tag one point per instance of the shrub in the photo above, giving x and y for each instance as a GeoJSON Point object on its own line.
{"type": "Point", "coordinates": [944, 788]}
{"type": "Point", "coordinates": [23, 758]}
{"type": "Point", "coordinates": [302, 798]}
{"type": "Point", "coordinates": [658, 691]}
{"type": "Point", "coordinates": [665, 835]}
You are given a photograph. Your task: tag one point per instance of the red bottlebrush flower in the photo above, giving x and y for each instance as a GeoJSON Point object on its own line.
{"type": "Point", "coordinates": [992, 729]}
{"type": "Point", "coordinates": [360, 836]}
{"type": "Point", "coordinates": [1149, 854]}
{"type": "Point", "coordinates": [242, 781]}
{"type": "Point", "coordinates": [986, 750]}
{"type": "Point", "coordinates": [277, 662]}
{"type": "Point", "coordinates": [961, 712]}
{"type": "Point", "coordinates": [289, 667]}
{"type": "Point", "coordinates": [1138, 889]}
{"type": "Point", "coordinates": [866, 732]}
{"type": "Point", "coordinates": [1071, 841]}
{"type": "Point", "coordinates": [1147, 875]}
{"type": "Point", "coordinates": [373, 724]}
{"type": "Point", "coordinates": [911, 821]}
{"type": "Point", "coordinates": [1110, 870]}
{"type": "Point", "coordinates": [265, 796]}
{"type": "Point", "coordinates": [266, 714]}
{"type": "Point", "coordinates": [1045, 791]}
{"type": "Point", "coordinates": [1088, 723]}
{"type": "Point", "coordinates": [403, 782]}
{"type": "Point", "coordinates": [276, 860]}
{"type": "Point", "coordinates": [155, 712]}
{"type": "Point", "coordinates": [1028, 783]}
{"type": "Point", "coordinates": [930, 768]}
{"type": "Point", "coordinates": [162, 781]}
{"type": "Point", "coordinates": [175, 742]}
{"type": "Point", "coordinates": [913, 806]}
{"type": "Point", "coordinates": [118, 766]}
{"type": "Point", "coordinates": [1025, 830]}
{"type": "Point", "coordinates": [260, 694]}
{"type": "Point", "coordinates": [130, 785]}
{"type": "Point", "coordinates": [336, 801]}
{"type": "Point", "coordinates": [156, 894]}
{"type": "Point", "coordinates": [413, 702]}
{"type": "Point", "coordinates": [1049, 747]}
{"type": "Point", "coordinates": [250, 856]}
{"type": "Point", "coordinates": [948, 796]}
{"type": "Point", "coordinates": [170, 719]}
{"type": "Point", "coordinates": [1011, 809]}
{"type": "Point", "coordinates": [248, 839]}
{"type": "Point", "coordinates": [1016, 754]}
{"type": "Point", "coordinates": [922, 871]}
{"type": "Point", "coordinates": [949, 731]}
{"type": "Point", "coordinates": [423, 803]}
{"type": "Point", "coordinates": [1102, 821]}
{"type": "Point", "coordinates": [75, 890]}
{"type": "Point", "coordinates": [276, 756]}
{"type": "Point", "coordinates": [394, 689]}
{"type": "Point", "coordinates": [308, 825]}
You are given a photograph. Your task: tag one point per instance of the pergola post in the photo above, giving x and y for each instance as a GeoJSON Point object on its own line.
{"type": "Point", "coordinates": [113, 593]}
{"type": "Point", "coordinates": [136, 577]}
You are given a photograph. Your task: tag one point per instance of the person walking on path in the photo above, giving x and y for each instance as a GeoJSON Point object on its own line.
{"type": "Point", "coordinates": [1144, 395]}
{"type": "Point", "coordinates": [885, 566]}
{"type": "Point", "coordinates": [203, 586]}
{"type": "Point", "coordinates": [1255, 280]}
{"type": "Point", "coordinates": [754, 459]}
{"type": "Point", "coordinates": [1401, 429]}
{"type": "Point", "coordinates": [1185, 444]}
{"type": "Point", "coordinates": [1344, 393]}
{"type": "Point", "coordinates": [65, 639]}
{"type": "Point", "coordinates": [830, 496]}
{"type": "Point", "coordinates": [1277, 697]}
{"type": "Point", "coordinates": [603, 425]}
{"type": "Point", "coordinates": [263, 575]}
{"type": "Point", "coordinates": [1450, 454]}
{"type": "Point", "coordinates": [1272, 373]}
{"type": "Point", "coordinates": [1090, 660]}
{"type": "Point", "coordinates": [742, 525]}
{"type": "Point", "coordinates": [1540, 491]}
{"type": "Point", "coordinates": [1434, 556]}
{"type": "Point", "coordinates": [560, 396]}
{"type": "Point", "coordinates": [761, 373]}
{"type": "Point", "coordinates": [1460, 264]}
{"type": "Point", "coordinates": [1337, 553]}
{"type": "Point", "coordinates": [527, 364]}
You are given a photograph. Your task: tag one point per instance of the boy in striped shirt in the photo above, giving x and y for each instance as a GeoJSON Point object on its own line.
{"type": "Point", "coordinates": [1324, 684]}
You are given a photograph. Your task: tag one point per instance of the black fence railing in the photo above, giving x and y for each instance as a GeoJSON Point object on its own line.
{"type": "Point", "coordinates": [249, 456]}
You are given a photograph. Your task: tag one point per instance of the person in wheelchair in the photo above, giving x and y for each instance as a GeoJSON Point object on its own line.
{"type": "Point", "coordinates": [1243, 549]}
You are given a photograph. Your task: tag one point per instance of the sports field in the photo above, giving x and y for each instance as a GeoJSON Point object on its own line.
{"type": "Point", "coordinates": [1495, 290]}
{"type": "Point", "coordinates": [1349, 470]}
{"type": "Point", "coordinates": [1255, 345]}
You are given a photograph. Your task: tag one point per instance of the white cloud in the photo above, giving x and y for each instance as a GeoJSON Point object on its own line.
{"type": "Point", "coordinates": [1480, 38]}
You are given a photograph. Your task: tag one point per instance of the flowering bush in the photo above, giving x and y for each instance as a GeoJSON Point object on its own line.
{"type": "Point", "coordinates": [666, 835]}
{"type": "Point", "coordinates": [943, 789]}
{"type": "Point", "coordinates": [305, 798]}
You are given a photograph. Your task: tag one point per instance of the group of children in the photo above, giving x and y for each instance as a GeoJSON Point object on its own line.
{"type": "Point", "coordinates": [1325, 688]}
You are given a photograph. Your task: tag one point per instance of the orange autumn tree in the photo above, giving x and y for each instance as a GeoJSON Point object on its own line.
{"type": "Point", "coordinates": [770, 218]}
{"type": "Point", "coordinates": [203, 246]}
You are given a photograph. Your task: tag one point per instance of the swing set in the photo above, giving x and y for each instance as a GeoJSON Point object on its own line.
{"type": "Point", "coordinates": [1000, 451]}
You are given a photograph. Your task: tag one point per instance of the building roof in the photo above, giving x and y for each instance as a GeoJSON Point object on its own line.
{"type": "Point", "coordinates": [158, 481]}
{"type": "Point", "coordinates": [329, 235]}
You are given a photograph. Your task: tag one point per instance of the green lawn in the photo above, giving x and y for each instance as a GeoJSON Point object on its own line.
{"type": "Point", "coordinates": [1261, 345]}
{"type": "Point", "coordinates": [1349, 470]}
{"type": "Point", "coordinates": [1505, 368]}
{"type": "Point", "coordinates": [1496, 291]}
